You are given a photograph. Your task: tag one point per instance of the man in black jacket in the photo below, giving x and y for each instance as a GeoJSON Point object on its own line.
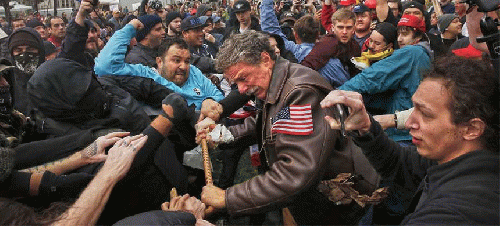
{"type": "Point", "coordinates": [202, 55]}
{"type": "Point", "coordinates": [27, 51]}
{"type": "Point", "coordinates": [245, 21]}
{"type": "Point", "coordinates": [454, 170]}
{"type": "Point", "coordinates": [149, 38]}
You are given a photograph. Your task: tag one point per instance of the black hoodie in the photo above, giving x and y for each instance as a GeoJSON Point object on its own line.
{"type": "Point", "coordinates": [68, 92]}
{"type": "Point", "coordinates": [24, 36]}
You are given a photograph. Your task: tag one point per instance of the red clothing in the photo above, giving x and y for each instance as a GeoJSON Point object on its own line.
{"type": "Point", "coordinates": [53, 40]}
{"type": "Point", "coordinates": [329, 47]}
{"type": "Point", "coordinates": [326, 17]}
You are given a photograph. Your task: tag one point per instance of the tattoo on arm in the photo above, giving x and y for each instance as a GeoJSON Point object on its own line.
{"type": "Point", "coordinates": [64, 163]}
{"type": "Point", "coordinates": [90, 150]}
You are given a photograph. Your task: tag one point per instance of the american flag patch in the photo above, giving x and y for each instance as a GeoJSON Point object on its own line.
{"type": "Point", "coordinates": [294, 120]}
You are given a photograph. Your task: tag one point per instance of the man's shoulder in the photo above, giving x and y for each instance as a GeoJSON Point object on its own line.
{"type": "Point", "coordinates": [328, 38]}
{"type": "Point", "coordinates": [140, 55]}
{"type": "Point", "coordinates": [409, 50]}
{"type": "Point", "coordinates": [302, 75]}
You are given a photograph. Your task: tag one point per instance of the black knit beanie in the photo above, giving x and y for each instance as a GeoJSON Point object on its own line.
{"type": "Point", "coordinates": [171, 16]}
{"type": "Point", "coordinates": [24, 37]}
{"type": "Point", "coordinates": [387, 30]}
{"type": "Point", "coordinates": [149, 22]}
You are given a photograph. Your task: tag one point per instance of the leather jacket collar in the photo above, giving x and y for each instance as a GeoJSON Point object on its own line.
{"type": "Point", "coordinates": [278, 79]}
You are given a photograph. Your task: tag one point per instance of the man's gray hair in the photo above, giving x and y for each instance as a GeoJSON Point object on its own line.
{"type": "Point", "coordinates": [245, 47]}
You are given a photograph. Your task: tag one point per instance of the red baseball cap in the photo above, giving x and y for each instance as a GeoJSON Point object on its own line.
{"type": "Point", "coordinates": [372, 4]}
{"type": "Point", "coordinates": [468, 52]}
{"type": "Point", "coordinates": [412, 21]}
{"type": "Point", "coordinates": [347, 2]}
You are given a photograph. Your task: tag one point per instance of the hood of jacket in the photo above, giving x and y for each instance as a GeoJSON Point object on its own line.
{"type": "Point", "coordinates": [65, 90]}
{"type": "Point", "coordinates": [33, 40]}
{"type": "Point", "coordinates": [427, 47]}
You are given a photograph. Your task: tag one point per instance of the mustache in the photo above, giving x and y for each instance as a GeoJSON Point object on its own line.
{"type": "Point", "coordinates": [251, 91]}
{"type": "Point", "coordinates": [180, 71]}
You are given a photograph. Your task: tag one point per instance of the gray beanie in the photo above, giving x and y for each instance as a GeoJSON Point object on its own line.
{"type": "Point", "coordinates": [445, 20]}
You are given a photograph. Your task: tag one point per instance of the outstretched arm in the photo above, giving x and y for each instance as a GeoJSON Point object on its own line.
{"type": "Point", "coordinates": [88, 207]}
{"type": "Point", "coordinates": [91, 154]}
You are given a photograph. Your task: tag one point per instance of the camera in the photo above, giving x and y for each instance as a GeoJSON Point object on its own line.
{"type": "Point", "coordinates": [93, 2]}
{"type": "Point", "coordinates": [484, 5]}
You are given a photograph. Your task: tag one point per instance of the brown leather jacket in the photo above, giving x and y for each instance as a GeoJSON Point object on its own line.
{"type": "Point", "coordinates": [297, 162]}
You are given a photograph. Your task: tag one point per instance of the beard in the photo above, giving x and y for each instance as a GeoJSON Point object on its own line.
{"type": "Point", "coordinates": [179, 77]}
{"type": "Point", "coordinates": [170, 27]}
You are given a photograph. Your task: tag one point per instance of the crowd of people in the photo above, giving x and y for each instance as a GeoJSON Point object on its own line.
{"type": "Point", "coordinates": [98, 108]}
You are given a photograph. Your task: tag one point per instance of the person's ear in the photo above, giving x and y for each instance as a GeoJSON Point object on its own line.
{"type": "Point", "coordinates": [266, 60]}
{"type": "Point", "coordinates": [474, 129]}
{"type": "Point", "coordinates": [159, 62]}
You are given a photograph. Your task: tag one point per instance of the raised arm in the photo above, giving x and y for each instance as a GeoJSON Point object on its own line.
{"type": "Point", "coordinates": [474, 29]}
{"type": "Point", "coordinates": [326, 15]}
{"type": "Point", "coordinates": [111, 59]}
{"type": "Point", "coordinates": [382, 9]}
{"type": "Point", "coordinates": [73, 47]}
{"type": "Point", "coordinates": [269, 23]}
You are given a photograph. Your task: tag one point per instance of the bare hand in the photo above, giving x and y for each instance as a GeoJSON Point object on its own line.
{"type": "Point", "coordinates": [85, 8]}
{"type": "Point", "coordinates": [358, 117]}
{"type": "Point", "coordinates": [187, 204]}
{"type": "Point", "coordinates": [209, 37]}
{"type": "Point", "coordinates": [95, 152]}
{"type": "Point", "coordinates": [317, 15]}
{"type": "Point", "coordinates": [109, 139]}
{"type": "Point", "coordinates": [121, 156]}
{"type": "Point", "coordinates": [203, 129]}
{"type": "Point", "coordinates": [137, 24]}
{"type": "Point", "coordinates": [211, 109]}
{"type": "Point", "coordinates": [213, 196]}
{"type": "Point", "coordinates": [203, 134]}
{"type": "Point", "coordinates": [201, 222]}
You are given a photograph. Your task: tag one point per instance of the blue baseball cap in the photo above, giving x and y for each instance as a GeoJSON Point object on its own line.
{"type": "Point", "coordinates": [191, 23]}
{"type": "Point", "coordinates": [361, 8]}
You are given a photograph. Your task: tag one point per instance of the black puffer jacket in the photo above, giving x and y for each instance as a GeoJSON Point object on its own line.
{"type": "Point", "coordinates": [70, 98]}
{"type": "Point", "coordinates": [142, 55]}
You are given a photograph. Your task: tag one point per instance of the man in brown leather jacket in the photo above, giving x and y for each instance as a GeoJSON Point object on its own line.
{"type": "Point", "coordinates": [297, 142]}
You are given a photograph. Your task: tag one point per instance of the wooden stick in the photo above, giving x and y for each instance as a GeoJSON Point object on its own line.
{"type": "Point", "coordinates": [437, 8]}
{"type": "Point", "coordinates": [206, 162]}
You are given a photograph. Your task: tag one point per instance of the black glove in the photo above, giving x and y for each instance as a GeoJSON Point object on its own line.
{"type": "Point", "coordinates": [63, 186]}
{"type": "Point", "coordinates": [182, 112]}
